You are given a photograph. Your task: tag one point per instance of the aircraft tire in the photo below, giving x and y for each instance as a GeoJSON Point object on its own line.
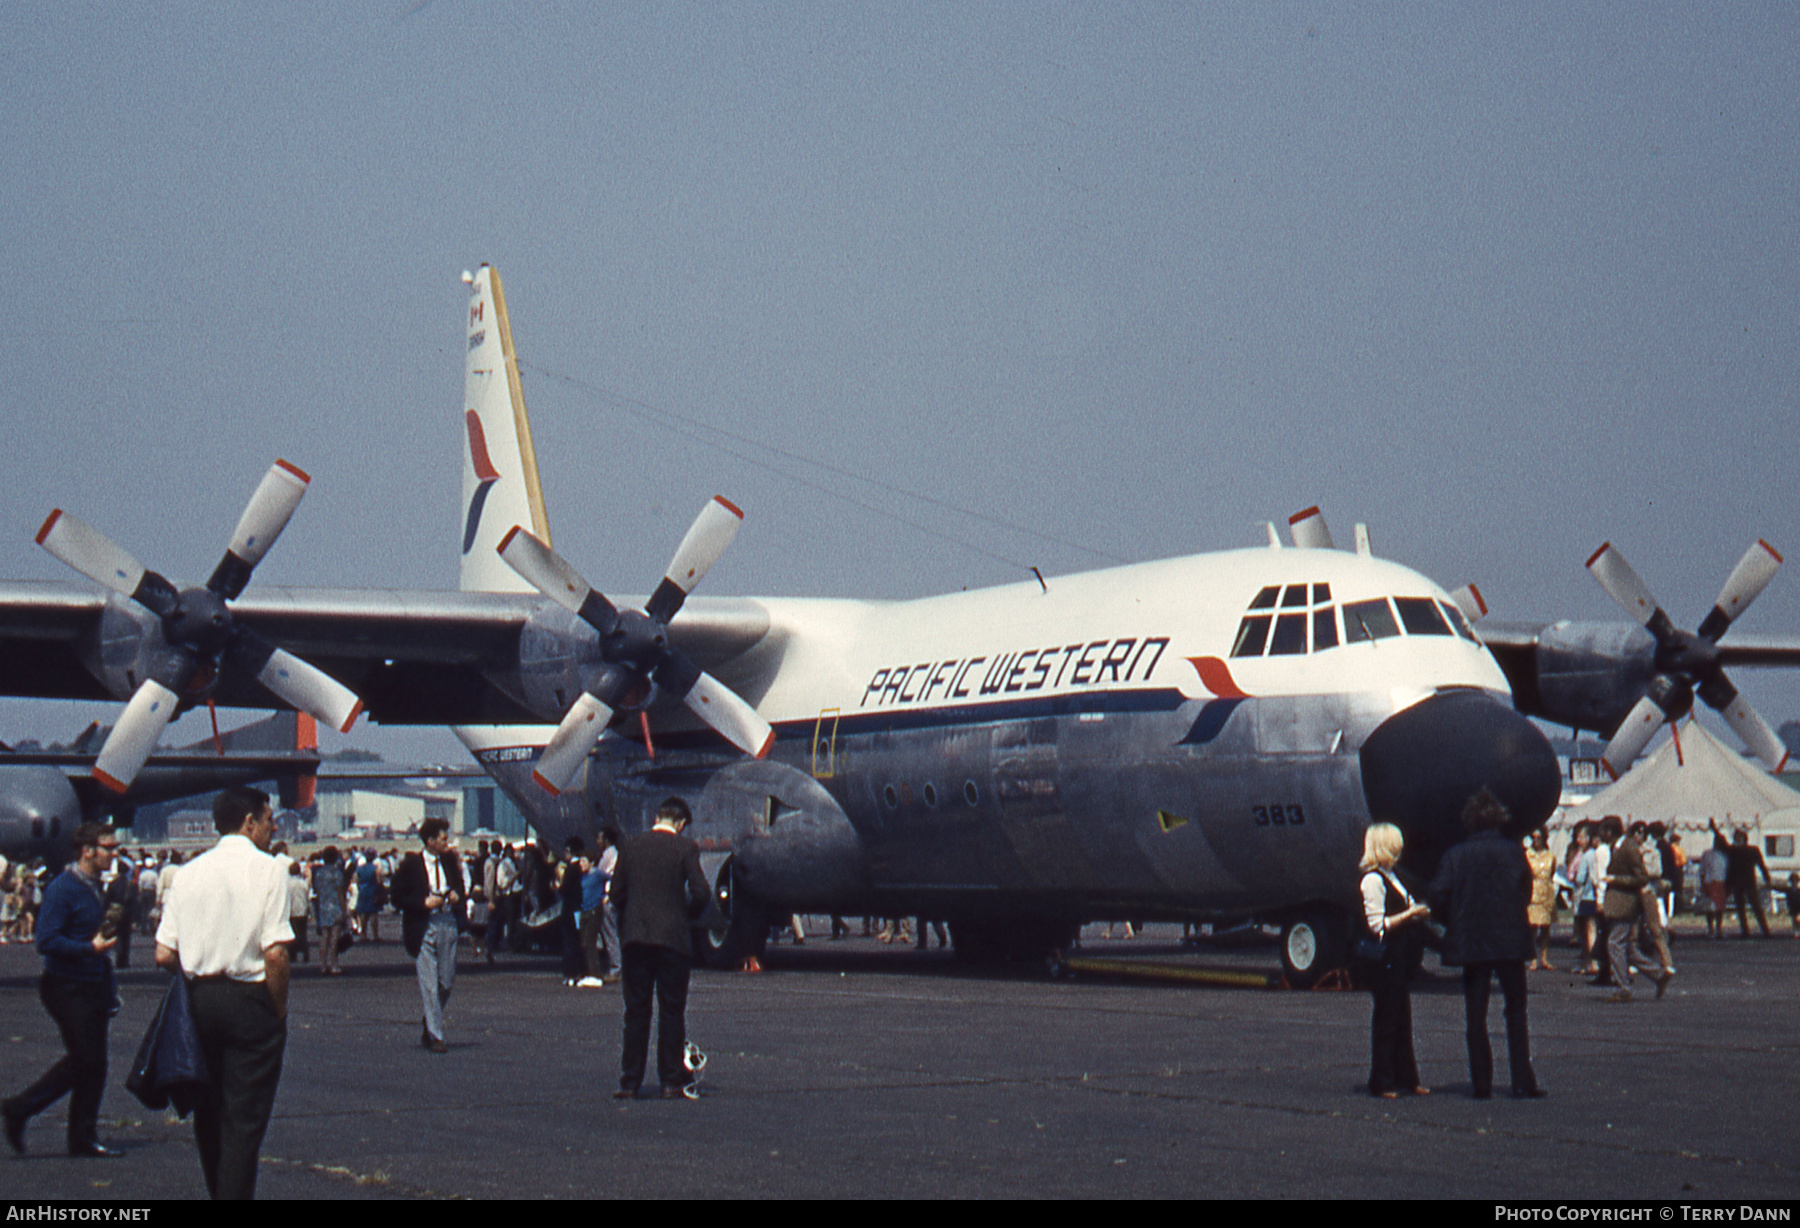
{"type": "Point", "coordinates": [1313, 943]}
{"type": "Point", "coordinates": [746, 928]}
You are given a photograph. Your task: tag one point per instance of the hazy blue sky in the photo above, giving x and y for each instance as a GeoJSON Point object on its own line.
{"type": "Point", "coordinates": [1504, 281]}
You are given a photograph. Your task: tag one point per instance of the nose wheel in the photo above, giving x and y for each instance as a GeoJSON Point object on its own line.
{"type": "Point", "coordinates": [1313, 945]}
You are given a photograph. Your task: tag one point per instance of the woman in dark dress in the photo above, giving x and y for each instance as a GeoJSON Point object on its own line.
{"type": "Point", "coordinates": [368, 900]}
{"type": "Point", "coordinates": [1393, 935]}
{"type": "Point", "coordinates": [328, 909]}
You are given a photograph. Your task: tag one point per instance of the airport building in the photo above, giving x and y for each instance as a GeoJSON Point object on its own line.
{"type": "Point", "coordinates": [353, 813]}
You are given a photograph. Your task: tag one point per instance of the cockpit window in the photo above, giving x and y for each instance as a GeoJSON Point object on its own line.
{"type": "Point", "coordinates": [1302, 608]}
{"type": "Point", "coordinates": [1458, 621]}
{"type": "Point", "coordinates": [1421, 616]}
{"type": "Point", "coordinates": [1324, 626]}
{"type": "Point", "coordinates": [1293, 619]}
{"type": "Point", "coordinates": [1290, 634]}
{"type": "Point", "coordinates": [1252, 634]}
{"type": "Point", "coordinates": [1369, 620]}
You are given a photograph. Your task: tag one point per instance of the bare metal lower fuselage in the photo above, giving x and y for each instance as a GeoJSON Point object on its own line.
{"type": "Point", "coordinates": [1072, 809]}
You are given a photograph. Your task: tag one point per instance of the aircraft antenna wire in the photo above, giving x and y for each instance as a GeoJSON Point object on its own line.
{"type": "Point", "coordinates": [688, 426]}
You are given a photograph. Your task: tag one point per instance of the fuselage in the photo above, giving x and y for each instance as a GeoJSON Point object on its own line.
{"type": "Point", "coordinates": [1178, 738]}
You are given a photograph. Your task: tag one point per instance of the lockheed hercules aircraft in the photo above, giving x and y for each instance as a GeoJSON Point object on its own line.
{"type": "Point", "coordinates": [1200, 738]}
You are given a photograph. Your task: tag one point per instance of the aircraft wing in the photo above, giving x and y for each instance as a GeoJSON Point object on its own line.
{"type": "Point", "coordinates": [1515, 641]}
{"type": "Point", "coordinates": [416, 657]}
{"type": "Point", "coordinates": [1514, 645]}
{"type": "Point", "coordinates": [1754, 650]}
{"type": "Point", "coordinates": [40, 625]}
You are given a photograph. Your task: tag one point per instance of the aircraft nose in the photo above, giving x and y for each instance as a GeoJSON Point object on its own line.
{"type": "Point", "coordinates": [1421, 766]}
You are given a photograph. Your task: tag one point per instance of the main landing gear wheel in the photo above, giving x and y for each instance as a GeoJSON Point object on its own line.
{"type": "Point", "coordinates": [746, 929]}
{"type": "Point", "coordinates": [1312, 946]}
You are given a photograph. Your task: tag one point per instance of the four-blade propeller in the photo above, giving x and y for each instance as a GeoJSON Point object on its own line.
{"type": "Point", "coordinates": [199, 638]}
{"type": "Point", "coordinates": [634, 646]}
{"type": "Point", "coordinates": [1688, 664]}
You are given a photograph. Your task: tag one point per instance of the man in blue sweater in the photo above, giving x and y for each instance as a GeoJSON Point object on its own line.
{"type": "Point", "coordinates": [77, 990]}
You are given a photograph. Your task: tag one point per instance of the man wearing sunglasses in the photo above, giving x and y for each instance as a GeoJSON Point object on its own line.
{"type": "Point", "coordinates": [77, 990]}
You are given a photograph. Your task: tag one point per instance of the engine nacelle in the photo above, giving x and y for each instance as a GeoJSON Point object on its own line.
{"type": "Point", "coordinates": [1589, 675]}
{"type": "Point", "coordinates": [127, 647]}
{"type": "Point", "coordinates": [558, 653]}
{"type": "Point", "coordinates": [38, 812]}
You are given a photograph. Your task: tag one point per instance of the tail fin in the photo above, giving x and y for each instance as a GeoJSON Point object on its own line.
{"type": "Point", "coordinates": [291, 740]}
{"type": "Point", "coordinates": [280, 731]}
{"type": "Point", "coordinates": [500, 475]}
{"type": "Point", "coordinates": [301, 791]}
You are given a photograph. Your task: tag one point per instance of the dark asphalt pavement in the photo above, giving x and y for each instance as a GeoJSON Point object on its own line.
{"type": "Point", "coordinates": [851, 1070]}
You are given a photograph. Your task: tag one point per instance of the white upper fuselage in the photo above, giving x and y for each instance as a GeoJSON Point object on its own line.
{"type": "Point", "coordinates": [1171, 624]}
{"type": "Point", "coordinates": [1138, 626]}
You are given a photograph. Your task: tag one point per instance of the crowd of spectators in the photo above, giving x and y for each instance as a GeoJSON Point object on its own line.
{"type": "Point", "coordinates": [524, 896]}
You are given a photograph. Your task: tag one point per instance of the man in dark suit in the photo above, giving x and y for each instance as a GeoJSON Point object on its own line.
{"type": "Point", "coordinates": [1481, 891]}
{"type": "Point", "coordinates": [429, 892]}
{"type": "Point", "coordinates": [658, 889]}
{"type": "Point", "coordinates": [1742, 861]}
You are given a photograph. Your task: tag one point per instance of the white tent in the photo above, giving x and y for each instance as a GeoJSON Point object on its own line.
{"type": "Point", "coordinates": [1694, 780]}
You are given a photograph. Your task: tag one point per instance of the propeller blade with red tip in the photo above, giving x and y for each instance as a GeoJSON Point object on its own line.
{"type": "Point", "coordinates": [707, 538]}
{"type": "Point", "coordinates": [91, 552]}
{"type": "Point", "coordinates": [1755, 732]}
{"type": "Point", "coordinates": [1309, 530]}
{"type": "Point", "coordinates": [310, 689]}
{"type": "Point", "coordinates": [1745, 583]}
{"type": "Point", "coordinates": [265, 516]}
{"type": "Point", "coordinates": [140, 727]}
{"type": "Point", "coordinates": [731, 715]}
{"type": "Point", "coordinates": [568, 748]}
{"type": "Point", "coordinates": [1623, 584]}
{"type": "Point", "coordinates": [547, 571]}
{"type": "Point", "coordinates": [1469, 600]}
{"type": "Point", "coordinates": [1632, 736]}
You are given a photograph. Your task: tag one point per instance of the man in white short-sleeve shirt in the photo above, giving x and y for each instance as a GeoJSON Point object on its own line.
{"type": "Point", "coordinates": [225, 927]}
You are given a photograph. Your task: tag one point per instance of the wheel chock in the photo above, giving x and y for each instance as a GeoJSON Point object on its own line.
{"type": "Point", "coordinates": [1335, 981]}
